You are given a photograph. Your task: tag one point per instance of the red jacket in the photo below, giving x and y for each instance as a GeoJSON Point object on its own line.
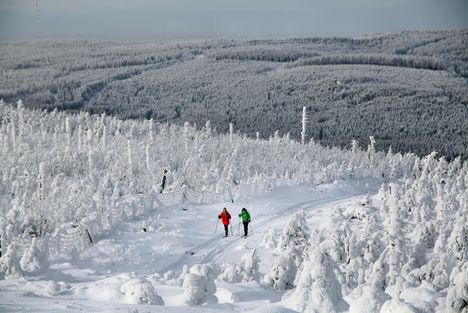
{"type": "Point", "coordinates": [225, 217]}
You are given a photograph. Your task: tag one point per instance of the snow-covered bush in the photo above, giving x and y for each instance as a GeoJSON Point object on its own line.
{"type": "Point", "coordinates": [9, 262]}
{"type": "Point", "coordinates": [269, 239]}
{"type": "Point", "coordinates": [246, 271]}
{"type": "Point", "coordinates": [199, 286]}
{"type": "Point", "coordinates": [183, 273]}
{"type": "Point", "coordinates": [249, 266]}
{"type": "Point", "coordinates": [34, 259]}
{"type": "Point", "coordinates": [231, 273]}
{"type": "Point", "coordinates": [140, 291]}
{"type": "Point", "coordinates": [370, 297]}
{"type": "Point", "coordinates": [458, 240]}
{"type": "Point", "coordinates": [457, 297]}
{"type": "Point", "coordinates": [283, 273]}
{"type": "Point", "coordinates": [317, 287]}
{"type": "Point", "coordinates": [292, 247]}
{"type": "Point", "coordinates": [54, 288]}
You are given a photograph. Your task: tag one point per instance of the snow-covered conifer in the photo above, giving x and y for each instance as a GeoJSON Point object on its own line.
{"type": "Point", "coordinates": [458, 241]}
{"type": "Point", "coordinates": [90, 158]}
{"type": "Point", "coordinates": [186, 135]}
{"type": "Point", "coordinates": [151, 131]}
{"type": "Point", "coordinates": [318, 289]}
{"type": "Point", "coordinates": [304, 125]}
{"type": "Point", "coordinates": [80, 139]}
{"type": "Point", "coordinates": [104, 138]}
{"type": "Point", "coordinates": [292, 246]}
{"type": "Point", "coordinates": [68, 131]}
{"type": "Point", "coordinates": [185, 271]}
{"type": "Point", "coordinates": [371, 146]}
{"type": "Point", "coordinates": [296, 233]}
{"type": "Point", "coordinates": [337, 246]}
{"type": "Point", "coordinates": [129, 160]}
{"type": "Point", "coordinates": [33, 259]}
{"type": "Point", "coordinates": [13, 134]}
{"type": "Point", "coordinates": [147, 157]}
{"type": "Point", "coordinates": [9, 262]}
{"type": "Point", "coordinates": [208, 128]}
{"type": "Point", "coordinates": [231, 273]}
{"type": "Point", "coordinates": [442, 272]}
{"type": "Point", "coordinates": [20, 110]}
{"type": "Point", "coordinates": [457, 296]}
{"type": "Point", "coordinates": [371, 296]}
{"type": "Point", "coordinates": [269, 239]}
{"type": "Point", "coordinates": [283, 273]}
{"type": "Point", "coordinates": [199, 286]}
{"type": "Point", "coordinates": [395, 236]}
{"type": "Point", "coordinates": [249, 265]}
{"type": "Point", "coordinates": [41, 182]}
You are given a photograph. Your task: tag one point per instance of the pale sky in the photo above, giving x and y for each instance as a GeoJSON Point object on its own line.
{"type": "Point", "coordinates": [186, 19]}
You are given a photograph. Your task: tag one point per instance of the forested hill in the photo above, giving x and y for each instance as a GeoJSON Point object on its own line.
{"type": "Point", "coordinates": [407, 89]}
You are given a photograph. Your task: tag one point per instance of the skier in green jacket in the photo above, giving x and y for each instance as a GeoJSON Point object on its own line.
{"type": "Point", "coordinates": [245, 220]}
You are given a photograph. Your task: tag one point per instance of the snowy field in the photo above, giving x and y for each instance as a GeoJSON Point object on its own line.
{"type": "Point", "coordinates": [87, 225]}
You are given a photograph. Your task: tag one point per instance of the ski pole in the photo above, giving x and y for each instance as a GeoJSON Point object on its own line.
{"type": "Point", "coordinates": [232, 233]}
{"type": "Point", "coordinates": [216, 230]}
{"type": "Point", "coordinates": [238, 227]}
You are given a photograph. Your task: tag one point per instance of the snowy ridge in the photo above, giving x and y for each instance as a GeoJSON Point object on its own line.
{"type": "Point", "coordinates": [85, 220]}
{"type": "Point", "coordinates": [97, 170]}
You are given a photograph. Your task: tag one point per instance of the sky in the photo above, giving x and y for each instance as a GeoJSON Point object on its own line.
{"type": "Point", "coordinates": [202, 19]}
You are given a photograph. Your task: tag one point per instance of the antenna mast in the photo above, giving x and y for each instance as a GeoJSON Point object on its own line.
{"type": "Point", "coordinates": [38, 20]}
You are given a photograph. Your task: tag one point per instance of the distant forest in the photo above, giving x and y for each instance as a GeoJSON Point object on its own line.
{"type": "Point", "coordinates": [407, 89]}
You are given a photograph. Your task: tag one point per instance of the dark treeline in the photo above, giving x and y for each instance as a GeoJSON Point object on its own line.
{"type": "Point", "coordinates": [407, 89]}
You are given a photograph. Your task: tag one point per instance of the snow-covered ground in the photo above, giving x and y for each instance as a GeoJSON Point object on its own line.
{"type": "Point", "coordinates": [88, 223]}
{"type": "Point", "coordinates": [183, 235]}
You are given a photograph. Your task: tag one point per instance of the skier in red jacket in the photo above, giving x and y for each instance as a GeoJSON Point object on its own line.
{"type": "Point", "coordinates": [225, 217]}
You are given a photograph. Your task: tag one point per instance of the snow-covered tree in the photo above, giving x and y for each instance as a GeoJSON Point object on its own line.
{"type": "Point", "coordinates": [249, 265]}
{"type": "Point", "coordinates": [199, 286]}
{"type": "Point", "coordinates": [33, 259]}
{"type": "Point", "coordinates": [371, 296]}
{"type": "Point", "coordinates": [9, 262]}
{"type": "Point", "coordinates": [231, 273]}
{"type": "Point", "coordinates": [458, 241]}
{"type": "Point", "coordinates": [292, 248]}
{"type": "Point", "coordinates": [317, 288]}
{"type": "Point", "coordinates": [395, 237]}
{"type": "Point", "coordinates": [457, 297]}
{"type": "Point", "coordinates": [270, 239]}
{"type": "Point", "coordinates": [304, 125]}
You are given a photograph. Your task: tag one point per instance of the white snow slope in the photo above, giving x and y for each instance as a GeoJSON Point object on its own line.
{"type": "Point", "coordinates": [93, 280]}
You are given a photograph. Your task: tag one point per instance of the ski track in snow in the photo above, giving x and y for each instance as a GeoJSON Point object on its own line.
{"type": "Point", "coordinates": [216, 245]}
{"type": "Point", "coordinates": [129, 249]}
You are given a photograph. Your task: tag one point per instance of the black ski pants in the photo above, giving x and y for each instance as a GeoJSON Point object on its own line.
{"type": "Point", "coordinates": [246, 228]}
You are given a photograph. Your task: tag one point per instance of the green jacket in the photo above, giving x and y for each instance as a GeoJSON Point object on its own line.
{"type": "Point", "coordinates": [245, 216]}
